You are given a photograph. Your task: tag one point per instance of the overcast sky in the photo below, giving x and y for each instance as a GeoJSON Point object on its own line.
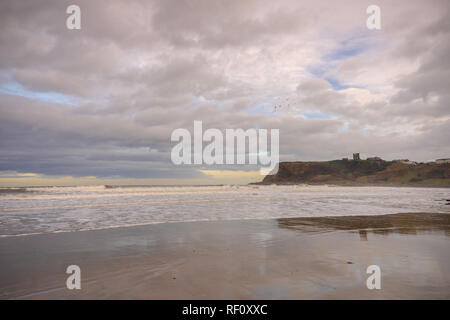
{"type": "Point", "coordinates": [99, 104]}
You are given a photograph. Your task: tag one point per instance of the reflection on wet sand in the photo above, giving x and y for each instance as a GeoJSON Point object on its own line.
{"type": "Point", "coordinates": [303, 258]}
{"type": "Point", "coordinates": [402, 223]}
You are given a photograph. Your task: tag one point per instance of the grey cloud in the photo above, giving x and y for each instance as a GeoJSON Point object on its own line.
{"type": "Point", "coordinates": [141, 69]}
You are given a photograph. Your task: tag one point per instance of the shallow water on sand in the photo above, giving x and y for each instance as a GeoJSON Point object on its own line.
{"type": "Point", "coordinates": [291, 258]}
{"type": "Point", "coordinates": [62, 209]}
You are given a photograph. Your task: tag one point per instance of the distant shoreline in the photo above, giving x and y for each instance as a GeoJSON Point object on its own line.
{"type": "Point", "coordinates": [351, 185]}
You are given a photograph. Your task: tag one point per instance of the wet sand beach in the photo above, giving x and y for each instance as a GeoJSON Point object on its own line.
{"type": "Point", "coordinates": [294, 258]}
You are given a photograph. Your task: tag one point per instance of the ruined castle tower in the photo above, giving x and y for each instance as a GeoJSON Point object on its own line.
{"type": "Point", "coordinates": [356, 156]}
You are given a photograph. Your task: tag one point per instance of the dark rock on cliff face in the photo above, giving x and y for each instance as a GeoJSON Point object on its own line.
{"type": "Point", "coordinates": [361, 172]}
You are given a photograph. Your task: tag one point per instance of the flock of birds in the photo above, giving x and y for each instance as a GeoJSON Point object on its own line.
{"type": "Point", "coordinates": [278, 107]}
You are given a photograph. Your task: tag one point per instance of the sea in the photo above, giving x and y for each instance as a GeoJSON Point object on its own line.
{"type": "Point", "coordinates": [40, 210]}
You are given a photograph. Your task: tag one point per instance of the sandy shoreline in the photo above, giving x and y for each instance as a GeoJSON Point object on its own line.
{"type": "Point", "coordinates": [294, 258]}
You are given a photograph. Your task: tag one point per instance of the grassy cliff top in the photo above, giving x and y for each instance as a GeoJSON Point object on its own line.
{"type": "Point", "coordinates": [361, 172]}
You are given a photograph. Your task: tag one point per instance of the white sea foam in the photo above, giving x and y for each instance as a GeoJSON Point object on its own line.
{"type": "Point", "coordinates": [65, 209]}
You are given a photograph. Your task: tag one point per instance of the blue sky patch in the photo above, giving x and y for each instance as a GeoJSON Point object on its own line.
{"type": "Point", "coordinates": [317, 115]}
{"type": "Point", "coordinates": [339, 86]}
{"type": "Point", "coordinates": [348, 48]}
{"type": "Point", "coordinates": [16, 89]}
